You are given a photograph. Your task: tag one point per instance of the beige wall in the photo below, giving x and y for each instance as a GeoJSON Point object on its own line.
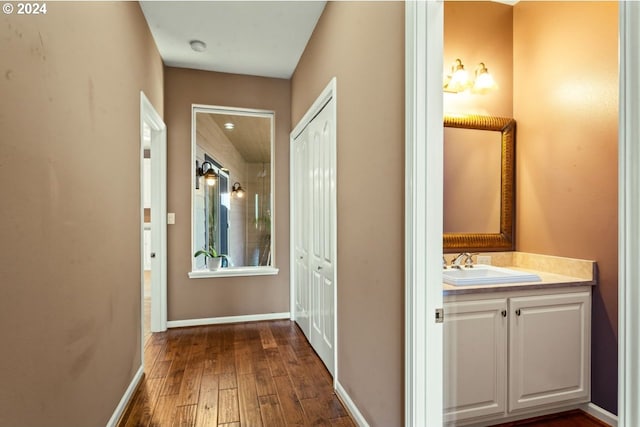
{"type": "Point", "coordinates": [480, 31]}
{"type": "Point", "coordinates": [362, 44]}
{"type": "Point", "coordinates": [216, 297]}
{"type": "Point", "coordinates": [566, 104]}
{"type": "Point", "coordinates": [476, 31]}
{"type": "Point", "coordinates": [70, 86]}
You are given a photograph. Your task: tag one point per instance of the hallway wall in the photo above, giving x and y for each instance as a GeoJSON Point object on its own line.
{"type": "Point", "coordinates": [70, 275]}
{"type": "Point", "coordinates": [222, 296]}
{"type": "Point", "coordinates": [362, 44]}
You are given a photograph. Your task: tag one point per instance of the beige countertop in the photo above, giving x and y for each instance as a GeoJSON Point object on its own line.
{"type": "Point", "coordinates": [554, 271]}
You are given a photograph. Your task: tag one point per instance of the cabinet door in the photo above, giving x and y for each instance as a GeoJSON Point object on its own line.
{"type": "Point", "coordinates": [549, 349]}
{"type": "Point", "coordinates": [475, 365]}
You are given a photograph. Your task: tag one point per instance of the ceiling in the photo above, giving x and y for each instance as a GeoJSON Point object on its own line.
{"type": "Point", "coordinates": [251, 135]}
{"type": "Point", "coordinates": [260, 38]}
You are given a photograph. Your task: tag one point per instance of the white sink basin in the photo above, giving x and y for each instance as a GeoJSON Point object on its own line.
{"type": "Point", "coordinates": [482, 274]}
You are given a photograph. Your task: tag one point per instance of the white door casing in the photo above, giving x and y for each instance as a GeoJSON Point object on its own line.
{"type": "Point", "coordinates": [158, 147]}
{"type": "Point", "coordinates": [629, 217]}
{"type": "Point", "coordinates": [424, 23]}
{"type": "Point", "coordinates": [313, 225]}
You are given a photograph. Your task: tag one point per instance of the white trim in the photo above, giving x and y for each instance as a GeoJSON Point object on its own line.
{"type": "Point", "coordinates": [234, 272]}
{"type": "Point", "coordinates": [149, 115]}
{"type": "Point", "coordinates": [251, 112]}
{"type": "Point", "coordinates": [351, 407]}
{"type": "Point", "coordinates": [292, 244]}
{"type": "Point", "coordinates": [629, 217]}
{"type": "Point", "coordinates": [227, 319]}
{"type": "Point", "coordinates": [128, 394]}
{"type": "Point", "coordinates": [424, 23]}
{"type": "Point", "coordinates": [601, 414]}
{"type": "Point", "coordinates": [327, 93]}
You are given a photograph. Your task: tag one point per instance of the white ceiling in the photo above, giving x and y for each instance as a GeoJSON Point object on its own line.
{"type": "Point", "coordinates": [261, 38]}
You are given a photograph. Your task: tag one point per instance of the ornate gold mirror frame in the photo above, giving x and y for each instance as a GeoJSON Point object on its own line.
{"type": "Point", "coordinates": [503, 240]}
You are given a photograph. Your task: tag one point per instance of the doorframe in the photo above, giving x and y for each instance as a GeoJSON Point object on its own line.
{"type": "Point", "coordinates": [424, 26]}
{"type": "Point", "coordinates": [423, 406]}
{"type": "Point", "coordinates": [149, 115]}
{"type": "Point", "coordinates": [328, 93]}
{"type": "Point", "coordinates": [629, 217]}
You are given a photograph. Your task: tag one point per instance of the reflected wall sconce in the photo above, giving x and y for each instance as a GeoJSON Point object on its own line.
{"type": "Point", "coordinates": [459, 81]}
{"type": "Point", "coordinates": [237, 190]}
{"type": "Point", "coordinates": [207, 171]}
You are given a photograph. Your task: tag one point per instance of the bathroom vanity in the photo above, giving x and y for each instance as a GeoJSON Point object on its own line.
{"type": "Point", "coordinates": [518, 350]}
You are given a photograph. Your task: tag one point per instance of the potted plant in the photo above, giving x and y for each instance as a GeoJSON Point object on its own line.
{"type": "Point", "coordinates": [213, 259]}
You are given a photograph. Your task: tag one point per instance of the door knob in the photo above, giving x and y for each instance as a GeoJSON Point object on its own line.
{"type": "Point", "coordinates": [319, 268]}
{"type": "Point", "coordinates": [153, 254]}
{"type": "Point", "coordinates": [518, 312]}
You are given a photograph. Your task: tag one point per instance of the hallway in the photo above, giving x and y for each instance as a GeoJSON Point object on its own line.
{"type": "Point", "coordinates": [249, 374]}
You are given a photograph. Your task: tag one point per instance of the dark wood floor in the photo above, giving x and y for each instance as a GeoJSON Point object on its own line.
{"type": "Point", "coordinates": [250, 374]}
{"type": "Point", "coordinates": [575, 418]}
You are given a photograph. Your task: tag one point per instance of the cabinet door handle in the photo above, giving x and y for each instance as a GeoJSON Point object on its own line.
{"type": "Point", "coordinates": [504, 313]}
{"type": "Point", "coordinates": [518, 312]}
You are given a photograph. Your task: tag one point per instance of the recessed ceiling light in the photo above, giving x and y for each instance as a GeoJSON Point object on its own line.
{"type": "Point", "coordinates": [229, 126]}
{"type": "Point", "coordinates": [198, 45]}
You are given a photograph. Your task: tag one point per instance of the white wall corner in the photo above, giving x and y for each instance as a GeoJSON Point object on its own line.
{"type": "Point", "coordinates": [351, 407]}
{"type": "Point", "coordinates": [128, 395]}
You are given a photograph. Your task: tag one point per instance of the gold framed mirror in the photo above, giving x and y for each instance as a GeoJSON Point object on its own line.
{"type": "Point", "coordinates": [479, 179]}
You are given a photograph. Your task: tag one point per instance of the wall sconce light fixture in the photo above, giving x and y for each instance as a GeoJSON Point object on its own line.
{"type": "Point", "coordinates": [459, 81]}
{"type": "Point", "coordinates": [206, 170]}
{"type": "Point", "coordinates": [237, 190]}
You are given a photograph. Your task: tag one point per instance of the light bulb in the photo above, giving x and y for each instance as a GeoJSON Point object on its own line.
{"type": "Point", "coordinates": [484, 82]}
{"type": "Point", "coordinates": [459, 79]}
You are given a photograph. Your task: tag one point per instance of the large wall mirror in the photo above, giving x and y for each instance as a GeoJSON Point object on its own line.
{"type": "Point", "coordinates": [232, 191]}
{"type": "Point", "coordinates": [478, 183]}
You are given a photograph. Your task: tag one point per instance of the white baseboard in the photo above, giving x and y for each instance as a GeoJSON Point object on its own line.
{"type": "Point", "coordinates": [601, 414]}
{"type": "Point", "coordinates": [227, 319]}
{"type": "Point", "coordinates": [128, 394]}
{"type": "Point", "coordinates": [351, 407]}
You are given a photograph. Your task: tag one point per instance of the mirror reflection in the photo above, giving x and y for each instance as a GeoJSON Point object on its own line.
{"type": "Point", "coordinates": [472, 179]}
{"type": "Point", "coordinates": [232, 188]}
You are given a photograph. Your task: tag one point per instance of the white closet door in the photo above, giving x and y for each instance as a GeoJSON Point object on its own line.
{"type": "Point", "coordinates": [302, 190]}
{"type": "Point", "coordinates": [314, 230]}
{"type": "Point", "coordinates": [321, 133]}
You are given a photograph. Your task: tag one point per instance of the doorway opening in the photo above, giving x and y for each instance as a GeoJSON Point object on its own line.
{"type": "Point", "coordinates": [153, 220]}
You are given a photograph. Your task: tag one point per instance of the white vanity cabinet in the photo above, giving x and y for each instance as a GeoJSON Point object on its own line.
{"type": "Point", "coordinates": [475, 358]}
{"type": "Point", "coordinates": [513, 353]}
{"type": "Point", "coordinates": [549, 349]}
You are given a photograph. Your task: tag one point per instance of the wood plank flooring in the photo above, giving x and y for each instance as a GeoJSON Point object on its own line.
{"type": "Point", "coordinates": [576, 418]}
{"type": "Point", "coordinates": [241, 375]}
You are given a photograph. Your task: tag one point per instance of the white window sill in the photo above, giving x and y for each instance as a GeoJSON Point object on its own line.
{"type": "Point", "coordinates": [234, 272]}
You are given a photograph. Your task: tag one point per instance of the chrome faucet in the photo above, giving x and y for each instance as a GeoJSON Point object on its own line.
{"type": "Point", "coordinates": [465, 257]}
